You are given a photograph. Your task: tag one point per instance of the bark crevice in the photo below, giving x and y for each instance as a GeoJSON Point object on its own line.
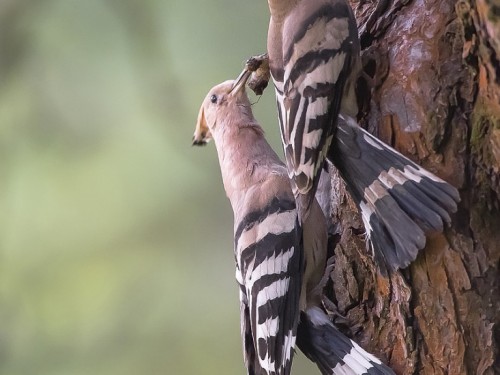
{"type": "Point", "coordinates": [431, 90]}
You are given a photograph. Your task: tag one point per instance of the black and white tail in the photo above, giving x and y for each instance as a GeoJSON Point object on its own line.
{"type": "Point", "coordinates": [333, 352]}
{"type": "Point", "coordinates": [399, 201]}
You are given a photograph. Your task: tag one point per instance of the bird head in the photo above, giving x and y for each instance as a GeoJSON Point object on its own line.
{"type": "Point", "coordinates": [224, 103]}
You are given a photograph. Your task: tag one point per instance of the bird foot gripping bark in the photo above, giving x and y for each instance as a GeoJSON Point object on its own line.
{"type": "Point", "coordinates": [329, 305]}
{"type": "Point", "coordinates": [259, 66]}
{"type": "Point", "coordinates": [318, 290]}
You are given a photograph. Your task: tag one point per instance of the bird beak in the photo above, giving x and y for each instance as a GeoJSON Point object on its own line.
{"type": "Point", "coordinates": [239, 83]}
{"type": "Point", "coordinates": [201, 134]}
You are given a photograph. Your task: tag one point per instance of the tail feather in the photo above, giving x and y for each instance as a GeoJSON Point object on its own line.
{"type": "Point", "coordinates": [399, 201]}
{"type": "Point", "coordinates": [333, 352]}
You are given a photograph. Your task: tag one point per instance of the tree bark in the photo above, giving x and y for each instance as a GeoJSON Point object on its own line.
{"type": "Point", "coordinates": [431, 89]}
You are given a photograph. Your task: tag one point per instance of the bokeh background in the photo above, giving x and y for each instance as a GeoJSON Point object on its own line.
{"type": "Point", "coordinates": [115, 234]}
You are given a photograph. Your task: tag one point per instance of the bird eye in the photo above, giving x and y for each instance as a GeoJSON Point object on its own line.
{"type": "Point", "coordinates": [213, 98]}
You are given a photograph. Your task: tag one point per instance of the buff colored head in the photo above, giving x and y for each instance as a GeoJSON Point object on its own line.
{"type": "Point", "coordinates": [226, 103]}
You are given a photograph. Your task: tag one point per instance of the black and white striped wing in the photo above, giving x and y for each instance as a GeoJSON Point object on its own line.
{"type": "Point", "coordinates": [399, 201]}
{"type": "Point", "coordinates": [269, 270]}
{"type": "Point", "coordinates": [317, 61]}
{"type": "Point", "coordinates": [332, 351]}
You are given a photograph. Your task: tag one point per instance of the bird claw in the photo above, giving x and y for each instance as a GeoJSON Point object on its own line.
{"type": "Point", "coordinates": [318, 289]}
{"type": "Point", "coordinates": [328, 304]}
{"type": "Point", "coordinates": [333, 311]}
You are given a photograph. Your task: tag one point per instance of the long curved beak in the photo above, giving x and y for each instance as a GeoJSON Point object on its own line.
{"type": "Point", "coordinates": [239, 83]}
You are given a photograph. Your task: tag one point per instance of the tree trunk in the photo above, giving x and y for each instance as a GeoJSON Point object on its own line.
{"type": "Point", "coordinates": [432, 91]}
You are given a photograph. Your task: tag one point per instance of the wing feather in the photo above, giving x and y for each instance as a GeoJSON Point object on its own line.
{"type": "Point", "coordinates": [270, 258]}
{"type": "Point", "coordinates": [246, 334]}
{"type": "Point", "coordinates": [317, 59]}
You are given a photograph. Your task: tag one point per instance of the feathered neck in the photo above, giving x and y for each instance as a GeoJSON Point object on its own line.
{"type": "Point", "coordinates": [280, 8]}
{"type": "Point", "coordinates": [243, 153]}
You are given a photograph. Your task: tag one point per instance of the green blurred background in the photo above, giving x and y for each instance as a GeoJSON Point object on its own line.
{"type": "Point", "coordinates": [115, 243]}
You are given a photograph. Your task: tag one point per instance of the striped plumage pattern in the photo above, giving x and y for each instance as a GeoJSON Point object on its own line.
{"type": "Point", "coordinates": [399, 201]}
{"type": "Point", "coordinates": [313, 51]}
{"type": "Point", "coordinates": [316, 61]}
{"type": "Point", "coordinates": [333, 352]}
{"type": "Point", "coordinates": [279, 263]}
{"type": "Point", "coordinates": [268, 269]}
{"type": "Point", "coordinates": [267, 242]}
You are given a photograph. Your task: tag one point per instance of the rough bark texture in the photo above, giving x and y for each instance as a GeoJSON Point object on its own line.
{"type": "Point", "coordinates": [432, 90]}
